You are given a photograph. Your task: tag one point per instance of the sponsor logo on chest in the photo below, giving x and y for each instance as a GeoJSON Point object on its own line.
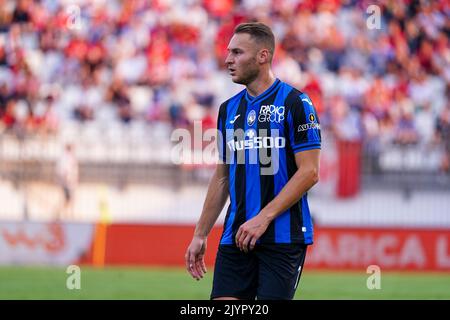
{"type": "Point", "coordinates": [271, 113]}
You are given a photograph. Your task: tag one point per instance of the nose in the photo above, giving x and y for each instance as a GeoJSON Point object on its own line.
{"type": "Point", "coordinates": [229, 59]}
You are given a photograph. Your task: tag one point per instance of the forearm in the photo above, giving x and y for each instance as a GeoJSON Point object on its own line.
{"type": "Point", "coordinates": [303, 180]}
{"type": "Point", "coordinates": [216, 198]}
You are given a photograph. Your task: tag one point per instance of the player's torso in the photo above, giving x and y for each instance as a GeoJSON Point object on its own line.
{"type": "Point", "coordinates": [255, 128]}
{"type": "Point", "coordinates": [257, 147]}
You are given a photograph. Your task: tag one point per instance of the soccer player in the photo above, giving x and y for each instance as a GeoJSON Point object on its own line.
{"type": "Point", "coordinates": [269, 143]}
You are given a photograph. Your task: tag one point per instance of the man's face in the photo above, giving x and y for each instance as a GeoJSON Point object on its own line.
{"type": "Point", "coordinates": [241, 60]}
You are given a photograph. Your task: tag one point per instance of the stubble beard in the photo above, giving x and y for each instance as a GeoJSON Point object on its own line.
{"type": "Point", "coordinates": [249, 75]}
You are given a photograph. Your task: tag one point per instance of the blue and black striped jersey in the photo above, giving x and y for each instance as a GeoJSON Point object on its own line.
{"type": "Point", "coordinates": [258, 138]}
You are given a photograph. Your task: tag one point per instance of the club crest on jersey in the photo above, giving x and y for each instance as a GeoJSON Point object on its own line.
{"type": "Point", "coordinates": [251, 117]}
{"type": "Point", "coordinates": [271, 113]}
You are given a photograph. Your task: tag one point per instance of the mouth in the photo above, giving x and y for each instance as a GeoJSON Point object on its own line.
{"type": "Point", "coordinates": [231, 71]}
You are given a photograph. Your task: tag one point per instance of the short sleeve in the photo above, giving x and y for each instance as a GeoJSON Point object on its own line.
{"type": "Point", "coordinates": [304, 125]}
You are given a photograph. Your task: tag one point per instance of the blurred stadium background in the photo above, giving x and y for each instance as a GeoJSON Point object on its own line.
{"type": "Point", "coordinates": [115, 78]}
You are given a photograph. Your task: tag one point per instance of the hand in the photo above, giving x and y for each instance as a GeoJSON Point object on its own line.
{"type": "Point", "coordinates": [195, 264]}
{"type": "Point", "coordinates": [250, 231]}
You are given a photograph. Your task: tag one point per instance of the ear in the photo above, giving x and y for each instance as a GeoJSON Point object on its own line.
{"type": "Point", "coordinates": [263, 56]}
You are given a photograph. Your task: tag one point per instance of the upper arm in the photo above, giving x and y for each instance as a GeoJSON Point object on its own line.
{"type": "Point", "coordinates": [308, 160]}
{"type": "Point", "coordinates": [222, 171]}
{"type": "Point", "coordinates": [221, 133]}
{"type": "Point", "coordinates": [221, 167]}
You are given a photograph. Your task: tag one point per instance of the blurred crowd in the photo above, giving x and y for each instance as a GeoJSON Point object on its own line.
{"type": "Point", "coordinates": [104, 61]}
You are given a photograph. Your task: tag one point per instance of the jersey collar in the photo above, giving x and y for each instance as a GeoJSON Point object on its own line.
{"type": "Point", "coordinates": [263, 95]}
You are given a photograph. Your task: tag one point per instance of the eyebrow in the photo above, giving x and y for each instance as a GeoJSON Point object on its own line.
{"type": "Point", "coordinates": [235, 49]}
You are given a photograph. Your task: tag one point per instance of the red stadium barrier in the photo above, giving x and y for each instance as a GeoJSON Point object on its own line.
{"type": "Point", "coordinates": [334, 248]}
{"type": "Point", "coordinates": [390, 249]}
{"type": "Point", "coordinates": [153, 244]}
{"type": "Point", "coordinates": [165, 245]}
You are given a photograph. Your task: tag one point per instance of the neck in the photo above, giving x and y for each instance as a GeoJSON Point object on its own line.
{"type": "Point", "coordinates": [260, 84]}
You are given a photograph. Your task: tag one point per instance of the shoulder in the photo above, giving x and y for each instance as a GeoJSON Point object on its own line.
{"type": "Point", "coordinates": [236, 97]}
{"type": "Point", "coordinates": [294, 97]}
